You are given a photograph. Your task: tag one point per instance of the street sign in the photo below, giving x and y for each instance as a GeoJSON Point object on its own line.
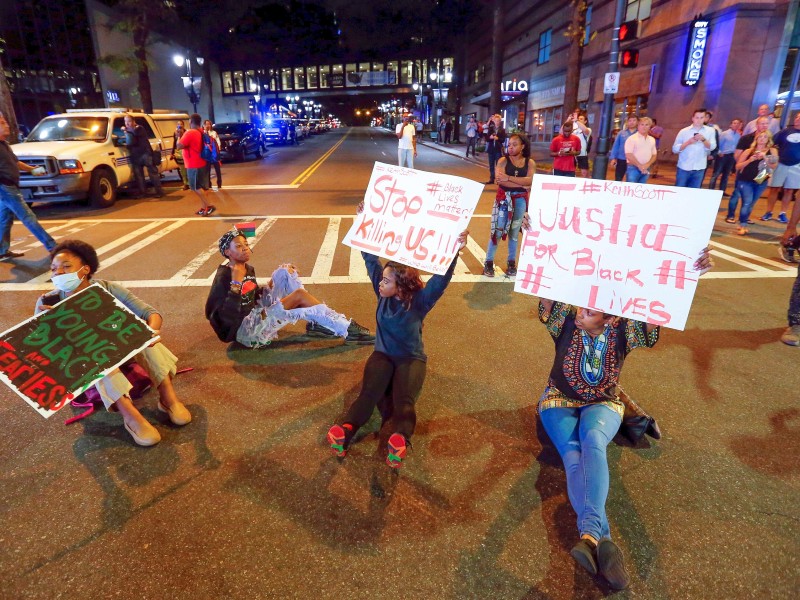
{"type": "Point", "coordinates": [611, 83]}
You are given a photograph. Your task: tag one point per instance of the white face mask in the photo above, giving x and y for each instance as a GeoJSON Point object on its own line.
{"type": "Point", "coordinates": [67, 282]}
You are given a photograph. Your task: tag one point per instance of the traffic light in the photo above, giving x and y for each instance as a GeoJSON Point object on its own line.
{"type": "Point", "coordinates": [629, 31]}
{"type": "Point", "coordinates": [629, 59]}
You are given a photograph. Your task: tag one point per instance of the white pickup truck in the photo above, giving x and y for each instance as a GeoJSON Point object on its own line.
{"type": "Point", "coordinates": [84, 155]}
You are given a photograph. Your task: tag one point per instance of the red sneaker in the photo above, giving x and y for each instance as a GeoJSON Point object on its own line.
{"type": "Point", "coordinates": [338, 438]}
{"type": "Point", "coordinates": [397, 451]}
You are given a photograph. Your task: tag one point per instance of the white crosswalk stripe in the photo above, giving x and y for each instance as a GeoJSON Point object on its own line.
{"type": "Point", "coordinates": [733, 263]}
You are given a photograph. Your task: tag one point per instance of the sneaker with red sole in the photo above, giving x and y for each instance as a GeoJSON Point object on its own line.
{"type": "Point", "coordinates": [338, 437]}
{"type": "Point", "coordinates": [397, 451]}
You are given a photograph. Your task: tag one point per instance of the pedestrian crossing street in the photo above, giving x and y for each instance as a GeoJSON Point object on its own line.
{"type": "Point", "coordinates": [182, 252]}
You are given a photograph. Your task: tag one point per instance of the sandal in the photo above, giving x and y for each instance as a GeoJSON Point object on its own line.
{"type": "Point", "coordinates": [210, 210]}
{"type": "Point", "coordinates": [201, 212]}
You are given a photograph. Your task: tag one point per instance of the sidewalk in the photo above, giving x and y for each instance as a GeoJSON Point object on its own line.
{"type": "Point", "coordinates": [759, 230]}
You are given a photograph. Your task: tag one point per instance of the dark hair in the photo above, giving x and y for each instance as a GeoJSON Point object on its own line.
{"type": "Point", "coordinates": [697, 110]}
{"type": "Point", "coordinates": [195, 120]}
{"type": "Point", "coordinates": [82, 250]}
{"type": "Point", "coordinates": [526, 145]}
{"type": "Point", "coordinates": [570, 123]}
{"type": "Point", "coordinates": [407, 280]}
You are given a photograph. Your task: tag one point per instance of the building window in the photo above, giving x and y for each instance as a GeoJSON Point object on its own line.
{"type": "Point", "coordinates": [392, 67]}
{"type": "Point", "coordinates": [238, 82]}
{"type": "Point", "coordinates": [324, 76]}
{"type": "Point", "coordinates": [312, 78]}
{"type": "Point", "coordinates": [286, 78]}
{"type": "Point", "coordinates": [227, 82]}
{"type": "Point", "coordinates": [638, 9]}
{"type": "Point", "coordinates": [406, 72]}
{"type": "Point", "coordinates": [588, 29]}
{"type": "Point", "coordinates": [337, 76]}
{"type": "Point", "coordinates": [545, 39]}
{"type": "Point", "coordinates": [545, 124]}
{"type": "Point", "coordinates": [299, 78]}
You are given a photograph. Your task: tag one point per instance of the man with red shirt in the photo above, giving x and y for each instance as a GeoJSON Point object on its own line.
{"type": "Point", "coordinates": [196, 168]}
{"type": "Point", "coordinates": [564, 148]}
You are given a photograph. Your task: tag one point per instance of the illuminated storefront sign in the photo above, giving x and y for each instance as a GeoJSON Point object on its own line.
{"type": "Point", "coordinates": [512, 87]}
{"type": "Point", "coordinates": [695, 52]}
{"type": "Point", "coordinates": [113, 96]}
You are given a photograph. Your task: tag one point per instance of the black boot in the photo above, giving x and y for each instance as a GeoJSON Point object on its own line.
{"type": "Point", "coordinates": [488, 268]}
{"type": "Point", "coordinates": [511, 270]}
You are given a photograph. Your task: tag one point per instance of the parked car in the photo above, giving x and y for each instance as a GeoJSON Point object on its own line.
{"type": "Point", "coordinates": [237, 140]}
{"type": "Point", "coordinates": [276, 129]}
{"type": "Point", "coordinates": [301, 129]}
{"type": "Point", "coordinates": [84, 155]}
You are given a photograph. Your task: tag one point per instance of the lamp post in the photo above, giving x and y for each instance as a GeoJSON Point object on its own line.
{"type": "Point", "coordinates": [191, 83]}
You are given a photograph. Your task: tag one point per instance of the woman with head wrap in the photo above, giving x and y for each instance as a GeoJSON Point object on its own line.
{"type": "Point", "coordinates": [240, 310]}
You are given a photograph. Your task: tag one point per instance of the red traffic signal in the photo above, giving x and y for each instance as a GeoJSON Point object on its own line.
{"type": "Point", "coordinates": [629, 59]}
{"type": "Point", "coordinates": [628, 31]}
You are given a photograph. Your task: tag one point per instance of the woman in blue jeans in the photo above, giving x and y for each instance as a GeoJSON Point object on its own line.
{"type": "Point", "coordinates": [751, 180]}
{"type": "Point", "coordinates": [581, 412]}
{"type": "Point", "coordinates": [514, 177]}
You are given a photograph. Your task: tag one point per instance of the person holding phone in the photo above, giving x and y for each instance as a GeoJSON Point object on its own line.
{"type": "Point", "coordinates": [693, 144]}
{"type": "Point", "coordinates": [11, 202]}
{"type": "Point", "coordinates": [564, 148]}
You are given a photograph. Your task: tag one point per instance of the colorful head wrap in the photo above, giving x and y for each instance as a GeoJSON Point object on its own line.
{"type": "Point", "coordinates": [226, 239]}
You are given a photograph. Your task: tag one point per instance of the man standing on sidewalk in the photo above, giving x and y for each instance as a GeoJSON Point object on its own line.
{"type": "Point", "coordinates": [472, 135]}
{"type": "Point", "coordinates": [724, 163]}
{"type": "Point", "coordinates": [407, 143]}
{"type": "Point", "coordinates": [11, 201]}
{"type": "Point", "coordinates": [495, 137]}
{"type": "Point", "coordinates": [617, 154]}
{"type": "Point", "coordinates": [692, 145]}
{"type": "Point", "coordinates": [787, 173]}
{"type": "Point", "coordinates": [640, 153]}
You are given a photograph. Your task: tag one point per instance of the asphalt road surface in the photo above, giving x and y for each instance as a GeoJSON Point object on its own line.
{"type": "Point", "coordinates": [246, 501]}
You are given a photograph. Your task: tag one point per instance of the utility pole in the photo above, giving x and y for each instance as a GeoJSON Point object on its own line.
{"type": "Point", "coordinates": [601, 160]}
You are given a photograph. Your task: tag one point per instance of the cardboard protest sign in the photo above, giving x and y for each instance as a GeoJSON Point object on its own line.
{"type": "Point", "coordinates": [625, 249]}
{"type": "Point", "coordinates": [414, 217]}
{"type": "Point", "coordinates": [55, 356]}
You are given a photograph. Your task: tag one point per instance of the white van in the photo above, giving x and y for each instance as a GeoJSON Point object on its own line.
{"type": "Point", "coordinates": [83, 152]}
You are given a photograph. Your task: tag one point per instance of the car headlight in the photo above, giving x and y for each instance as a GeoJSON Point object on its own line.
{"type": "Point", "coordinates": [65, 167]}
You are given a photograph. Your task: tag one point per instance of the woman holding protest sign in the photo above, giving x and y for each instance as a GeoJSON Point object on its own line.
{"type": "Point", "coordinates": [582, 409]}
{"type": "Point", "coordinates": [395, 371]}
{"type": "Point", "coordinates": [514, 178]}
{"type": "Point", "coordinates": [73, 265]}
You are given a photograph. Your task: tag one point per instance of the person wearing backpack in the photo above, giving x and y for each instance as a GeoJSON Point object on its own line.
{"type": "Point", "coordinates": [196, 172]}
{"type": "Point", "coordinates": [214, 139]}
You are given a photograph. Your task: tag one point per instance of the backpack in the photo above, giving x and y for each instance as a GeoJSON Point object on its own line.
{"type": "Point", "coordinates": [209, 151]}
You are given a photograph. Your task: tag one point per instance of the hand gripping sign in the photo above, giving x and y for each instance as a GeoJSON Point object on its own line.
{"type": "Point", "coordinates": [55, 356]}
{"type": "Point", "coordinates": [414, 217]}
{"type": "Point", "coordinates": [621, 248]}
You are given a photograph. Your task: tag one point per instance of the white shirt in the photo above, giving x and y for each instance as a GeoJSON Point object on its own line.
{"type": "Point", "coordinates": [693, 157]}
{"type": "Point", "coordinates": [584, 138]}
{"type": "Point", "coordinates": [407, 141]}
{"type": "Point", "coordinates": [774, 126]}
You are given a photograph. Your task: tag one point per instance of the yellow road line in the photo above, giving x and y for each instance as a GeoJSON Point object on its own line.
{"type": "Point", "coordinates": [317, 163]}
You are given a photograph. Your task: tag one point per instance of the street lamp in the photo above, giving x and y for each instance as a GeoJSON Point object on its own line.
{"type": "Point", "coordinates": [191, 84]}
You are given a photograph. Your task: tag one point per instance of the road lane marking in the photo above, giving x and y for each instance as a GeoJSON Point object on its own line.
{"type": "Point", "coordinates": [322, 267]}
{"type": "Point", "coordinates": [771, 262]}
{"type": "Point", "coordinates": [262, 186]}
{"type": "Point", "coordinates": [317, 163]}
{"type": "Point", "coordinates": [357, 270]}
{"type": "Point", "coordinates": [122, 255]}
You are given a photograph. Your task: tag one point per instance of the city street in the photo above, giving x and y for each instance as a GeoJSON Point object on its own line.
{"type": "Point", "coordinates": [247, 502]}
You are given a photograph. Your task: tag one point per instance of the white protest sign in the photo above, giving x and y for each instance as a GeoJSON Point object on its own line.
{"type": "Point", "coordinates": [414, 217]}
{"type": "Point", "coordinates": [626, 249]}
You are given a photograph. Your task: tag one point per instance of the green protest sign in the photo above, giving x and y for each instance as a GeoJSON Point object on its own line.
{"type": "Point", "coordinates": [56, 355]}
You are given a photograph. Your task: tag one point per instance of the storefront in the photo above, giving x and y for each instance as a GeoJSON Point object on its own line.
{"type": "Point", "coordinates": [545, 100]}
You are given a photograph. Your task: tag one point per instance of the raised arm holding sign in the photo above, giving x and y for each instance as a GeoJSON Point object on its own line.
{"type": "Point", "coordinates": [81, 333]}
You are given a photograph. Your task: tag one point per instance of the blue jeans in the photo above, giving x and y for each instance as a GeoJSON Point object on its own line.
{"type": "Point", "coordinates": [634, 175]}
{"type": "Point", "coordinates": [734, 200]}
{"type": "Point", "coordinates": [581, 435]}
{"type": "Point", "coordinates": [12, 205]}
{"type": "Point", "coordinates": [750, 192]}
{"type": "Point", "coordinates": [513, 232]}
{"type": "Point", "coordinates": [689, 179]}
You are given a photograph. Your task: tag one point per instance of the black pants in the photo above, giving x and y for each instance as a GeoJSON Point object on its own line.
{"type": "Point", "coordinates": [139, 164]}
{"type": "Point", "coordinates": [620, 170]}
{"type": "Point", "coordinates": [218, 171]}
{"type": "Point", "coordinates": [471, 141]}
{"type": "Point", "coordinates": [405, 376]}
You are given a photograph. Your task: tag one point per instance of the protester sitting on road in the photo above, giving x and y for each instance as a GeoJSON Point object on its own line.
{"type": "Point", "coordinates": [73, 264]}
{"type": "Point", "coordinates": [514, 176]}
{"type": "Point", "coordinates": [240, 310]}
{"type": "Point", "coordinates": [395, 372]}
{"type": "Point", "coordinates": [754, 166]}
{"type": "Point", "coordinates": [581, 412]}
